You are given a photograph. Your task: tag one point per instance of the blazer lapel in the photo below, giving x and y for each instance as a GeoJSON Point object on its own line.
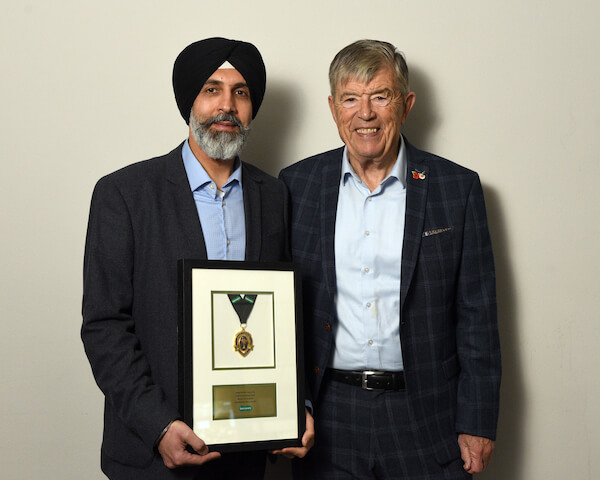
{"type": "Point", "coordinates": [252, 212]}
{"type": "Point", "coordinates": [184, 209]}
{"type": "Point", "coordinates": [330, 185]}
{"type": "Point", "coordinates": [417, 183]}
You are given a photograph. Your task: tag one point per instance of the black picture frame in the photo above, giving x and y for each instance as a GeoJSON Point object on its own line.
{"type": "Point", "coordinates": [270, 372]}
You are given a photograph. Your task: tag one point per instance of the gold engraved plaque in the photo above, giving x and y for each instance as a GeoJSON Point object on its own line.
{"type": "Point", "coordinates": [244, 401]}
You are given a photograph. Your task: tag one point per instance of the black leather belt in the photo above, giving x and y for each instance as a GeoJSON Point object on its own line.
{"type": "Point", "coordinates": [370, 379]}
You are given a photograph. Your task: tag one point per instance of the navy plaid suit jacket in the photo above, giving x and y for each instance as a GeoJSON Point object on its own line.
{"type": "Point", "coordinates": [448, 320]}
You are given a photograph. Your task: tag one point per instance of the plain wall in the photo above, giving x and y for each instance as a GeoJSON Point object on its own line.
{"type": "Point", "coordinates": [506, 88]}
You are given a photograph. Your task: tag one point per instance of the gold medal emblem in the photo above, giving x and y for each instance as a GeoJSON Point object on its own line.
{"type": "Point", "coordinates": [243, 342]}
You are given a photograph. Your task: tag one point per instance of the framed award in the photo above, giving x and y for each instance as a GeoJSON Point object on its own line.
{"type": "Point", "coordinates": [241, 378]}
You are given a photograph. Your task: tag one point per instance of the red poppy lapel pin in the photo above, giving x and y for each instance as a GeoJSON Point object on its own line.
{"type": "Point", "coordinates": [418, 175]}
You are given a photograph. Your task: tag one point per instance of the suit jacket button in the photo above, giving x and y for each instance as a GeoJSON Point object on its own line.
{"type": "Point", "coordinates": [327, 327]}
{"type": "Point", "coordinates": [316, 370]}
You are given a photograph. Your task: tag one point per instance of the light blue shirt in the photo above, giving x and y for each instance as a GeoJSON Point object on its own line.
{"type": "Point", "coordinates": [369, 232]}
{"type": "Point", "coordinates": [221, 212]}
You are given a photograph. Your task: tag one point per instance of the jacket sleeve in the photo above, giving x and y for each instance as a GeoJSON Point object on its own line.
{"type": "Point", "coordinates": [477, 337]}
{"type": "Point", "coordinates": [120, 367]}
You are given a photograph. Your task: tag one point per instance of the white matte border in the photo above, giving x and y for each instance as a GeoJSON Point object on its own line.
{"type": "Point", "coordinates": [285, 425]}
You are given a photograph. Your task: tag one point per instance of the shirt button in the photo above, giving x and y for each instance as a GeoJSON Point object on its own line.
{"type": "Point", "coordinates": [316, 370]}
{"type": "Point", "coordinates": [212, 186]}
{"type": "Point", "coordinates": [223, 203]}
{"type": "Point", "coordinates": [368, 304]}
{"type": "Point", "coordinates": [370, 342]}
{"type": "Point", "coordinates": [367, 270]}
{"type": "Point", "coordinates": [327, 327]}
{"type": "Point", "coordinates": [367, 233]}
{"type": "Point", "coordinates": [228, 242]}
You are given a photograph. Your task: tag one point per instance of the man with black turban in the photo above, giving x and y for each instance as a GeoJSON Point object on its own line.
{"type": "Point", "coordinates": [198, 201]}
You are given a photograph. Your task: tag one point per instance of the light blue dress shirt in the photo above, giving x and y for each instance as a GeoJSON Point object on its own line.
{"type": "Point", "coordinates": [369, 232]}
{"type": "Point", "coordinates": [221, 212]}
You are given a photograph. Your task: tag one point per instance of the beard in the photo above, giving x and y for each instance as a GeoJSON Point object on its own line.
{"type": "Point", "coordinates": [219, 145]}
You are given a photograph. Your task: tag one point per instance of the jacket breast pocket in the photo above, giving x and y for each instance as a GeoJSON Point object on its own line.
{"type": "Point", "coordinates": [439, 255]}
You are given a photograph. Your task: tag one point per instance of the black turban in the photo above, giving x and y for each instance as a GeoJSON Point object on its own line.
{"type": "Point", "coordinates": [198, 61]}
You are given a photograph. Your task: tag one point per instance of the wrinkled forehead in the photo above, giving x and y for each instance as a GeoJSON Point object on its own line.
{"type": "Point", "coordinates": [368, 81]}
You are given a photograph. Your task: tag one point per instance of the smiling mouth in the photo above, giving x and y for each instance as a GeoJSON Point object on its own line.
{"type": "Point", "coordinates": [366, 131]}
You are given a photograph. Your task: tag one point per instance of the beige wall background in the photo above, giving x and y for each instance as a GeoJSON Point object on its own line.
{"type": "Point", "coordinates": [507, 88]}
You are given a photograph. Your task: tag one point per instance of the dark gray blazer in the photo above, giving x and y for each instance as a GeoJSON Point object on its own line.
{"type": "Point", "coordinates": [143, 218]}
{"type": "Point", "coordinates": [448, 324]}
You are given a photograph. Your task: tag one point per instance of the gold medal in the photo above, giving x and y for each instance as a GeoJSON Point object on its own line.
{"type": "Point", "coordinates": [243, 306]}
{"type": "Point", "coordinates": [243, 342]}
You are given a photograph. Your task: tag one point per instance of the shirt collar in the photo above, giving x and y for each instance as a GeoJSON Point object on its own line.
{"type": "Point", "coordinates": [197, 176]}
{"type": "Point", "coordinates": [398, 169]}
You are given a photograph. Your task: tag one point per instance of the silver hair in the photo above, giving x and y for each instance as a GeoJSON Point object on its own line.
{"type": "Point", "coordinates": [362, 59]}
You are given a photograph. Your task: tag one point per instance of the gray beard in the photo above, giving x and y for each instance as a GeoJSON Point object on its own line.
{"type": "Point", "coordinates": [219, 145]}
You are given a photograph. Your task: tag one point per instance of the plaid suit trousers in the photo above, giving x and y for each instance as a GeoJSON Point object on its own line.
{"type": "Point", "coordinates": [362, 434]}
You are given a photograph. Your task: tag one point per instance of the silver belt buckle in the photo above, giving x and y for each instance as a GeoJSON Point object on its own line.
{"type": "Point", "coordinates": [365, 375]}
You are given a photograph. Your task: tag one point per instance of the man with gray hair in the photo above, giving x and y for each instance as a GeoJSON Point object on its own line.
{"type": "Point", "coordinates": [399, 290]}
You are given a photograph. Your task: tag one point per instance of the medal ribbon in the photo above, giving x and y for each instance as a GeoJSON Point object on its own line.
{"type": "Point", "coordinates": [242, 305]}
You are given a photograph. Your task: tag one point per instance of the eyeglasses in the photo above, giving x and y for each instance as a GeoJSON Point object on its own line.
{"type": "Point", "coordinates": [382, 99]}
